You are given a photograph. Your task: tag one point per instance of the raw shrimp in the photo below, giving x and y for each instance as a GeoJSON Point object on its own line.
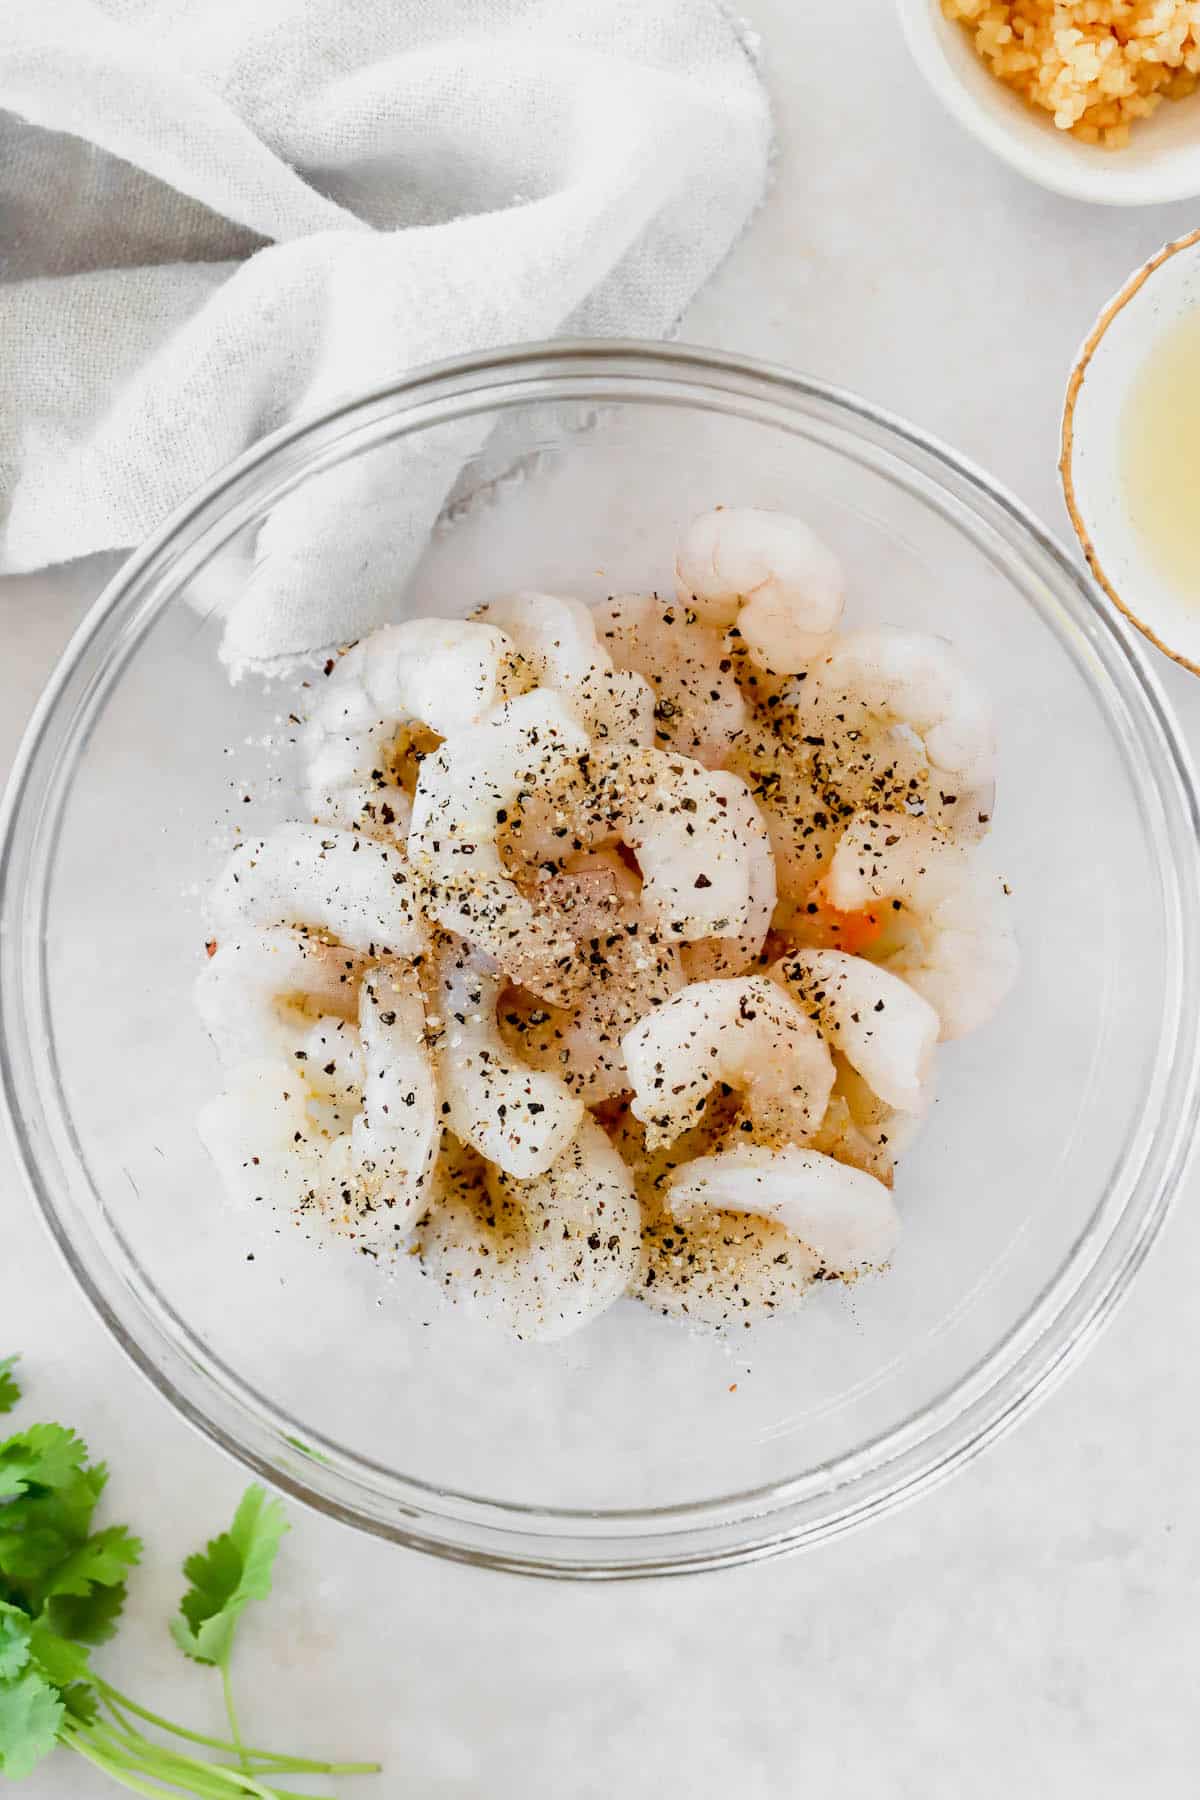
{"type": "Point", "coordinates": [698, 850]}
{"type": "Point", "coordinates": [541, 1256]}
{"type": "Point", "coordinates": [861, 1129]}
{"type": "Point", "coordinates": [864, 729]}
{"type": "Point", "coordinates": [714, 1269]}
{"type": "Point", "coordinates": [339, 883]}
{"type": "Point", "coordinates": [518, 1117]}
{"type": "Point", "coordinates": [265, 1144]}
{"type": "Point", "coordinates": [768, 572]}
{"type": "Point", "coordinates": [292, 1132]}
{"type": "Point", "coordinates": [397, 1132]}
{"type": "Point", "coordinates": [696, 863]}
{"type": "Point", "coordinates": [844, 1216]}
{"type": "Point", "coordinates": [466, 792]}
{"type": "Point", "coordinates": [879, 1024]}
{"type": "Point", "coordinates": [260, 991]}
{"type": "Point", "coordinates": [745, 1034]}
{"type": "Point", "coordinates": [886, 679]}
{"type": "Point", "coordinates": [331, 1051]}
{"type": "Point", "coordinates": [554, 822]}
{"type": "Point", "coordinates": [947, 933]}
{"type": "Point", "coordinates": [697, 705]}
{"type": "Point", "coordinates": [630, 970]}
{"type": "Point", "coordinates": [441, 674]}
{"type": "Point", "coordinates": [801, 826]}
{"type": "Point", "coordinates": [716, 956]}
{"type": "Point", "coordinates": [694, 854]}
{"type": "Point", "coordinates": [557, 639]}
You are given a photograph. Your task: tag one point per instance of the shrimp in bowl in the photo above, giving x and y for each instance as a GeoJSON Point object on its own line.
{"type": "Point", "coordinates": [617, 950]}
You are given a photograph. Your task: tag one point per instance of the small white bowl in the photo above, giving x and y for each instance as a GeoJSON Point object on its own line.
{"type": "Point", "coordinates": [1161, 161]}
{"type": "Point", "coordinates": [1109, 362]}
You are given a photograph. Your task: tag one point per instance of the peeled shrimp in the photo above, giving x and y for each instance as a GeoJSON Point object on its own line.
{"type": "Point", "coordinates": [541, 1256]}
{"type": "Point", "coordinates": [260, 991]}
{"type": "Point", "coordinates": [266, 1146]}
{"type": "Point", "coordinates": [720, 1268]}
{"type": "Point", "coordinates": [698, 845]}
{"type": "Point", "coordinates": [695, 855]}
{"type": "Point", "coordinates": [630, 967]}
{"type": "Point", "coordinates": [946, 932]}
{"type": "Point", "coordinates": [861, 1129]}
{"type": "Point", "coordinates": [801, 812]}
{"type": "Point", "coordinates": [746, 1034]}
{"type": "Point", "coordinates": [466, 792]}
{"type": "Point", "coordinates": [340, 883]}
{"type": "Point", "coordinates": [879, 1024]}
{"type": "Point", "coordinates": [883, 721]}
{"type": "Point", "coordinates": [770, 573]}
{"type": "Point", "coordinates": [443, 674]}
{"type": "Point", "coordinates": [557, 639]}
{"type": "Point", "coordinates": [517, 1117]}
{"type": "Point", "coordinates": [396, 1134]}
{"type": "Point", "coordinates": [714, 1269]}
{"type": "Point", "coordinates": [904, 678]}
{"type": "Point", "coordinates": [566, 848]}
{"type": "Point", "coordinates": [699, 850]}
{"type": "Point", "coordinates": [715, 956]}
{"type": "Point", "coordinates": [697, 705]}
{"type": "Point", "coordinates": [292, 1132]}
{"type": "Point", "coordinates": [843, 1216]}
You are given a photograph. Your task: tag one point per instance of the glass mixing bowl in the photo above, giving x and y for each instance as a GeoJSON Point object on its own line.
{"type": "Point", "coordinates": [1032, 1196]}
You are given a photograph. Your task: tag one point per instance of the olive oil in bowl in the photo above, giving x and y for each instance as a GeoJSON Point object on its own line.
{"type": "Point", "coordinates": [1160, 455]}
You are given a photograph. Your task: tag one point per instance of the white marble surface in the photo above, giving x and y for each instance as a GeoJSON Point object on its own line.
{"type": "Point", "coordinates": [1030, 1628]}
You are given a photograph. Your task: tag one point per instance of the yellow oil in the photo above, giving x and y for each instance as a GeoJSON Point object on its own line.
{"type": "Point", "coordinates": [1160, 453]}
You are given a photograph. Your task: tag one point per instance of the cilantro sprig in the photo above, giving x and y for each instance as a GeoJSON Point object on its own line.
{"type": "Point", "coordinates": [62, 1590]}
{"type": "Point", "coordinates": [234, 1569]}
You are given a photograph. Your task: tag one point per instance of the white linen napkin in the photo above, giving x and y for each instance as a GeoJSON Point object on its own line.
{"type": "Point", "coordinates": [218, 215]}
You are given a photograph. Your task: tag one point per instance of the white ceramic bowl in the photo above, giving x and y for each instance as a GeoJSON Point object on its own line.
{"type": "Point", "coordinates": [1093, 440]}
{"type": "Point", "coordinates": [1160, 163]}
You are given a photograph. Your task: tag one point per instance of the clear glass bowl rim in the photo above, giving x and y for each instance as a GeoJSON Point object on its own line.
{"type": "Point", "coordinates": [847, 1491]}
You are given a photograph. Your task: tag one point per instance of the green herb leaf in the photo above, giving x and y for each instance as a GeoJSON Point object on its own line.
{"type": "Point", "coordinates": [67, 1509]}
{"type": "Point", "coordinates": [103, 1561]}
{"type": "Point", "coordinates": [30, 1715]}
{"type": "Point", "coordinates": [45, 1456]}
{"type": "Point", "coordinates": [80, 1703]}
{"type": "Point", "coordinates": [43, 1528]}
{"type": "Point", "coordinates": [15, 1631]}
{"type": "Point", "coordinates": [89, 1619]}
{"type": "Point", "coordinates": [29, 1556]}
{"type": "Point", "coordinates": [60, 1662]}
{"type": "Point", "coordinates": [233, 1570]}
{"type": "Point", "coordinates": [10, 1393]}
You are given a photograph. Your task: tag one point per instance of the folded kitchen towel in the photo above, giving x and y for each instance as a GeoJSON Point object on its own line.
{"type": "Point", "coordinates": [219, 215]}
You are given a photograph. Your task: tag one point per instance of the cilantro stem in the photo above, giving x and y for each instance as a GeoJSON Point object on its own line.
{"type": "Point", "coordinates": [139, 1757]}
{"type": "Point", "coordinates": [231, 1715]}
{"type": "Point", "coordinates": [119, 1703]}
{"type": "Point", "coordinates": [303, 1765]}
{"type": "Point", "coordinates": [134, 1751]}
{"type": "Point", "coordinates": [138, 1751]}
{"type": "Point", "coordinates": [111, 1694]}
{"type": "Point", "coordinates": [120, 1770]}
{"type": "Point", "coordinates": [135, 1762]}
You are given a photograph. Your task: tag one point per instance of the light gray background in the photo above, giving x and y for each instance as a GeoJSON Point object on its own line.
{"type": "Point", "coordinates": [1032, 1627]}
